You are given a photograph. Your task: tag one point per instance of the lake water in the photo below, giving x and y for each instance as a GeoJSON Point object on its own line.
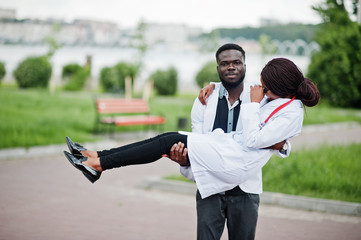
{"type": "Point", "coordinates": [187, 63]}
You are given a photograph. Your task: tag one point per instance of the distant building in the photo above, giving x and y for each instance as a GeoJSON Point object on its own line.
{"type": "Point", "coordinates": [82, 32]}
{"type": "Point", "coordinates": [99, 33]}
{"type": "Point", "coordinates": [7, 13]}
{"type": "Point", "coordinates": [172, 35]}
{"type": "Point", "coordinates": [269, 21]}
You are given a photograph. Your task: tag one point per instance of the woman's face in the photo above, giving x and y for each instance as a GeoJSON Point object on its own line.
{"type": "Point", "coordinates": [271, 96]}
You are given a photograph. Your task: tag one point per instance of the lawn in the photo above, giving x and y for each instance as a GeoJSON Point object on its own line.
{"type": "Point", "coordinates": [330, 172]}
{"type": "Point", "coordinates": [34, 117]}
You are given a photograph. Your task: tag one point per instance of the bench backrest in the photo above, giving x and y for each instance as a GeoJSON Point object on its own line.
{"type": "Point", "coordinates": [121, 105]}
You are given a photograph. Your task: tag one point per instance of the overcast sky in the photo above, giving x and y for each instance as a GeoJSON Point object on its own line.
{"type": "Point", "coordinates": [207, 14]}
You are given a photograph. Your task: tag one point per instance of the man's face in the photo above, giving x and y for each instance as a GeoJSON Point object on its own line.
{"type": "Point", "coordinates": [231, 67]}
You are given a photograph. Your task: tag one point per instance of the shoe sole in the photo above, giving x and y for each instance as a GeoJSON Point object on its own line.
{"type": "Point", "coordinates": [81, 168]}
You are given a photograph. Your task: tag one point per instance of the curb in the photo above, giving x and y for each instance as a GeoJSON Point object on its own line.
{"type": "Point", "coordinates": [311, 204]}
{"type": "Point", "coordinates": [277, 199]}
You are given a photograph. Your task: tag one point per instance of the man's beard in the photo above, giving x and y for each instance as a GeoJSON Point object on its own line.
{"type": "Point", "coordinates": [232, 84]}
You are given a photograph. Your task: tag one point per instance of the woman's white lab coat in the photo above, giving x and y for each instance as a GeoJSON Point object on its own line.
{"type": "Point", "coordinates": [241, 154]}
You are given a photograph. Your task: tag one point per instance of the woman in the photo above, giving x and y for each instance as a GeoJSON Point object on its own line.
{"type": "Point", "coordinates": [279, 117]}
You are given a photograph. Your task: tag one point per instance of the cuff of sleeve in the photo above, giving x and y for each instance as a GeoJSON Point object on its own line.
{"type": "Point", "coordinates": [285, 152]}
{"type": "Point", "coordinates": [187, 172]}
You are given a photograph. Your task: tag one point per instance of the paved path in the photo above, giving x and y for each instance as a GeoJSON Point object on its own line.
{"type": "Point", "coordinates": [42, 197]}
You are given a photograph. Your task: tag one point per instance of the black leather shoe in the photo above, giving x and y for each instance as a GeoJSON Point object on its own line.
{"type": "Point", "coordinates": [75, 148]}
{"type": "Point", "coordinates": [90, 173]}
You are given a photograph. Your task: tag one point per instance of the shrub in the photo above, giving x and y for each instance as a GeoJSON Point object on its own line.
{"type": "Point", "coordinates": [69, 70]}
{"type": "Point", "coordinates": [208, 73]}
{"type": "Point", "coordinates": [165, 82]}
{"type": "Point", "coordinates": [113, 78]}
{"type": "Point", "coordinates": [33, 72]}
{"type": "Point", "coordinates": [108, 79]}
{"type": "Point", "coordinates": [123, 70]}
{"type": "Point", "coordinates": [75, 75]}
{"type": "Point", "coordinates": [2, 71]}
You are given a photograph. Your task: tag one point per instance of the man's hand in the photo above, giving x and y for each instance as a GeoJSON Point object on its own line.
{"type": "Point", "coordinates": [205, 92]}
{"type": "Point", "coordinates": [278, 146]}
{"type": "Point", "coordinates": [178, 154]}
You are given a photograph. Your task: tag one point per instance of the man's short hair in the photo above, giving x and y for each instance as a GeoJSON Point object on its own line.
{"type": "Point", "coordinates": [229, 46]}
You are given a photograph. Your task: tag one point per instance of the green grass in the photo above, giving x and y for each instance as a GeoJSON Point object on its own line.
{"type": "Point", "coordinates": [177, 177]}
{"type": "Point", "coordinates": [324, 113]}
{"type": "Point", "coordinates": [329, 172]}
{"type": "Point", "coordinates": [173, 108]}
{"type": "Point", "coordinates": [35, 117]}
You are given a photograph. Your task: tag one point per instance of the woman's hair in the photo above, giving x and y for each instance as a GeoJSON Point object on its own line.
{"type": "Point", "coordinates": [282, 77]}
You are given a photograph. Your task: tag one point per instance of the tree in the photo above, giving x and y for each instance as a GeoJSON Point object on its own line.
{"type": "Point", "coordinates": [2, 71]}
{"type": "Point", "coordinates": [336, 68]}
{"type": "Point", "coordinates": [139, 41]}
{"type": "Point", "coordinates": [266, 44]}
{"type": "Point", "coordinates": [51, 41]}
{"type": "Point", "coordinates": [210, 42]}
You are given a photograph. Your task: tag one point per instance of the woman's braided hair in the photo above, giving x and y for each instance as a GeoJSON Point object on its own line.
{"type": "Point", "coordinates": [284, 78]}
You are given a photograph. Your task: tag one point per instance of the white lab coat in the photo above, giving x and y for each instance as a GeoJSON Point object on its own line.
{"type": "Point", "coordinates": [220, 161]}
{"type": "Point", "coordinates": [203, 117]}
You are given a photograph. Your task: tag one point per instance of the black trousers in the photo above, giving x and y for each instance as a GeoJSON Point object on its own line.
{"type": "Point", "coordinates": [237, 209]}
{"type": "Point", "coordinates": [141, 152]}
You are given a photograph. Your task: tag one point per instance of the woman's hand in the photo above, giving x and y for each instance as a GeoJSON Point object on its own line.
{"type": "Point", "coordinates": [257, 93]}
{"type": "Point", "coordinates": [205, 92]}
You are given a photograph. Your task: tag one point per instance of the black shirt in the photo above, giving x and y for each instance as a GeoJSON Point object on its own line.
{"type": "Point", "coordinates": [226, 119]}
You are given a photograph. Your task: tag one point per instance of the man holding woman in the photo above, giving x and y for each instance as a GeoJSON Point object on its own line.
{"type": "Point", "coordinates": [220, 162]}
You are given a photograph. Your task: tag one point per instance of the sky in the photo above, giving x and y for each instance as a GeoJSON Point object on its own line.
{"type": "Point", "coordinates": [206, 14]}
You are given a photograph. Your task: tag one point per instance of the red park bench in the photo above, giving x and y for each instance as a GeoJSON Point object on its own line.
{"type": "Point", "coordinates": [124, 112]}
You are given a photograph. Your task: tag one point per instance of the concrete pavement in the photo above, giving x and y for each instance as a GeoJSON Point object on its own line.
{"type": "Point", "coordinates": [43, 197]}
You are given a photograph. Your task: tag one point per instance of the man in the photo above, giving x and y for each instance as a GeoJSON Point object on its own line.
{"type": "Point", "coordinates": [239, 205]}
